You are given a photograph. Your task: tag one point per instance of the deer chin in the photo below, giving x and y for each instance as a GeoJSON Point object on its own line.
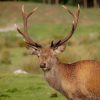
{"type": "Point", "coordinates": [46, 69]}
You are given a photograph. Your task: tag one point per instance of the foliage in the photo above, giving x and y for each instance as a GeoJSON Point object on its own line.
{"type": "Point", "coordinates": [30, 65]}
{"type": "Point", "coordinates": [5, 57]}
{"type": "Point", "coordinates": [32, 0]}
{"type": "Point", "coordinates": [75, 2]}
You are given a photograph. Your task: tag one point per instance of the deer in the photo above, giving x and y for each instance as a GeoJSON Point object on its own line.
{"type": "Point", "coordinates": [76, 81]}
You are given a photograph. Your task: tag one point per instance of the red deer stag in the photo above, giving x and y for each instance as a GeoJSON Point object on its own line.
{"type": "Point", "coordinates": [76, 81]}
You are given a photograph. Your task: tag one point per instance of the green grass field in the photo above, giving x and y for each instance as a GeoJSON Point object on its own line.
{"type": "Point", "coordinates": [49, 23]}
{"type": "Point", "coordinates": [26, 87]}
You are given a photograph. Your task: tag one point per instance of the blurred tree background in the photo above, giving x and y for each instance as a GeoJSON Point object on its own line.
{"type": "Point", "coordinates": [84, 3]}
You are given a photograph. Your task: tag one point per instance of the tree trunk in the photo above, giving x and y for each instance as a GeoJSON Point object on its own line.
{"type": "Point", "coordinates": [44, 1]}
{"type": "Point", "coordinates": [95, 3]}
{"type": "Point", "coordinates": [49, 1]}
{"type": "Point", "coordinates": [57, 1]}
{"type": "Point", "coordinates": [85, 4]}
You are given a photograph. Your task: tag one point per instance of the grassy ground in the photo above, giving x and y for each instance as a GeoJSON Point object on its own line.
{"type": "Point", "coordinates": [48, 23]}
{"type": "Point", "coordinates": [26, 87]}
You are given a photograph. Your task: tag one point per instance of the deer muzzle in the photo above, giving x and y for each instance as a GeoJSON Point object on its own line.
{"type": "Point", "coordinates": [43, 65]}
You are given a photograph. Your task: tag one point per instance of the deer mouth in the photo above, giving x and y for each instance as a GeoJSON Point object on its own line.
{"type": "Point", "coordinates": [44, 68]}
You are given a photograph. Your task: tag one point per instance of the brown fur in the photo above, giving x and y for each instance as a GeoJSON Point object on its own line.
{"type": "Point", "coordinates": [76, 81]}
{"type": "Point", "coordinates": [80, 80]}
{"type": "Point", "coordinates": [88, 72]}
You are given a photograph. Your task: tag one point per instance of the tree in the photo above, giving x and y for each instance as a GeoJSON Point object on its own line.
{"type": "Point", "coordinates": [43, 1]}
{"type": "Point", "coordinates": [85, 3]}
{"type": "Point", "coordinates": [95, 4]}
{"type": "Point", "coordinates": [57, 1]}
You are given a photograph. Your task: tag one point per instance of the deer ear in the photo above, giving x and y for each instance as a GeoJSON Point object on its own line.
{"type": "Point", "coordinates": [60, 49]}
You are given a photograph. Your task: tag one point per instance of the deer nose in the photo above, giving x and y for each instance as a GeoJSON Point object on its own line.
{"type": "Point", "coordinates": [42, 65]}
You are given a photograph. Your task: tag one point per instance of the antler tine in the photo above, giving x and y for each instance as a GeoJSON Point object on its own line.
{"type": "Point", "coordinates": [65, 7]}
{"type": "Point", "coordinates": [74, 25]}
{"type": "Point", "coordinates": [25, 33]}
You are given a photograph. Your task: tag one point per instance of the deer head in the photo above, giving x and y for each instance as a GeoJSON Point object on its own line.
{"type": "Point", "coordinates": [47, 56]}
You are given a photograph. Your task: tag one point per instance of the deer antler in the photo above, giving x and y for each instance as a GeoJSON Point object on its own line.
{"type": "Point", "coordinates": [28, 40]}
{"type": "Point", "coordinates": [74, 25]}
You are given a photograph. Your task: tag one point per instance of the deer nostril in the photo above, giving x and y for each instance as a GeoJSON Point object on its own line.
{"type": "Point", "coordinates": [42, 65]}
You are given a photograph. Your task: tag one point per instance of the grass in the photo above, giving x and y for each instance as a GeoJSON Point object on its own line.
{"type": "Point", "coordinates": [49, 23]}
{"type": "Point", "coordinates": [25, 87]}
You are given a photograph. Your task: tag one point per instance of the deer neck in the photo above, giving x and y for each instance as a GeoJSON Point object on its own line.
{"type": "Point", "coordinates": [52, 76]}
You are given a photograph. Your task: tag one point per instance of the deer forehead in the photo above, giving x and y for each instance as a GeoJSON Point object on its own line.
{"type": "Point", "coordinates": [46, 52]}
